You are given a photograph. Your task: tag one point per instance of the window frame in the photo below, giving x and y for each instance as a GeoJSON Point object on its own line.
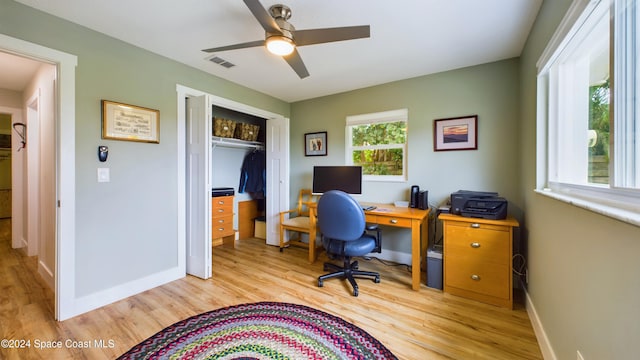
{"type": "Point", "coordinates": [399, 115]}
{"type": "Point", "coordinates": [622, 203]}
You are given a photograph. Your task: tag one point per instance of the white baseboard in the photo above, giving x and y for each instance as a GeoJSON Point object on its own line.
{"type": "Point", "coordinates": [538, 329]}
{"type": "Point", "coordinates": [47, 275]}
{"type": "Point", "coordinates": [395, 256]}
{"type": "Point", "coordinates": [116, 293]}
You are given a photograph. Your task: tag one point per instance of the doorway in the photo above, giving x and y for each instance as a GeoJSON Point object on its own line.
{"type": "Point", "coordinates": [32, 185]}
{"type": "Point", "coordinates": [57, 247]}
{"type": "Point", "coordinates": [196, 180]}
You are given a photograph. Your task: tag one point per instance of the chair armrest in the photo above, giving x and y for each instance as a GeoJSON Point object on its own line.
{"type": "Point", "coordinates": [283, 213]}
{"type": "Point", "coordinates": [378, 230]}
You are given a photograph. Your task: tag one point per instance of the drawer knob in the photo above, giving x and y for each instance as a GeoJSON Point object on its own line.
{"type": "Point", "coordinates": [220, 221]}
{"type": "Point", "coordinates": [220, 229]}
{"type": "Point", "coordinates": [475, 277]}
{"type": "Point", "coordinates": [393, 221]}
{"type": "Point", "coordinates": [475, 225]}
{"type": "Point", "coordinates": [221, 202]}
{"type": "Point", "coordinates": [475, 245]}
{"type": "Point", "coordinates": [220, 210]}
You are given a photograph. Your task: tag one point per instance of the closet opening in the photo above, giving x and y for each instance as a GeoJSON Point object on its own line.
{"type": "Point", "coordinates": [238, 175]}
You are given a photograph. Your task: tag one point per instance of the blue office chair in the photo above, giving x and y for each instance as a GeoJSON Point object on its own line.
{"type": "Point", "coordinates": [342, 226]}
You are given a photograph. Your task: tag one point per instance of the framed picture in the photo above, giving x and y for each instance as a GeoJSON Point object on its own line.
{"type": "Point", "coordinates": [315, 144]}
{"type": "Point", "coordinates": [130, 123]}
{"type": "Point", "coordinates": [459, 133]}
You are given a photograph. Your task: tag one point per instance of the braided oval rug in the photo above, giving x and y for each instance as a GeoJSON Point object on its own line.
{"type": "Point", "coordinates": [264, 330]}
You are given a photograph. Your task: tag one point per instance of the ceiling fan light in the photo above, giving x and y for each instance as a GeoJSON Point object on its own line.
{"type": "Point", "coordinates": [280, 45]}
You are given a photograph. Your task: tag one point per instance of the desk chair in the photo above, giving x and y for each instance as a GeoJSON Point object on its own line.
{"type": "Point", "coordinates": [342, 224]}
{"type": "Point", "coordinates": [296, 220]}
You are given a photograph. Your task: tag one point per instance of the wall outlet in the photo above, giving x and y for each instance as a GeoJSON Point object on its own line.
{"type": "Point", "coordinates": [579, 355]}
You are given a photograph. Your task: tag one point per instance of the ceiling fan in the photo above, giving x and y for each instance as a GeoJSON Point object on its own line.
{"type": "Point", "coordinates": [281, 38]}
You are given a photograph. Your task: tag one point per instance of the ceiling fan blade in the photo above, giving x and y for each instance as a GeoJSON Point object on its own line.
{"type": "Point", "coordinates": [295, 61]}
{"type": "Point", "coordinates": [319, 36]}
{"type": "Point", "coordinates": [236, 46]}
{"type": "Point", "coordinates": [263, 17]}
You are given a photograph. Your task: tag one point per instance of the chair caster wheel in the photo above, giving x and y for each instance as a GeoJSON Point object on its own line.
{"type": "Point", "coordinates": [320, 283]}
{"type": "Point", "coordinates": [355, 292]}
{"type": "Point", "coordinates": [281, 249]}
{"type": "Point", "coordinates": [377, 280]}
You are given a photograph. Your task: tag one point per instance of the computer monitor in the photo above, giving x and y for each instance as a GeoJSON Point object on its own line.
{"type": "Point", "coordinates": [345, 178]}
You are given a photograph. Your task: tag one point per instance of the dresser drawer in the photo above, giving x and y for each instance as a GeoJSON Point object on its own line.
{"type": "Point", "coordinates": [489, 244]}
{"type": "Point", "coordinates": [222, 202]}
{"type": "Point", "coordinates": [222, 226]}
{"type": "Point", "coordinates": [478, 276]}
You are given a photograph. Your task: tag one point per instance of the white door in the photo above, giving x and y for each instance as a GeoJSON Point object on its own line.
{"type": "Point", "coordinates": [277, 151]}
{"type": "Point", "coordinates": [198, 183]}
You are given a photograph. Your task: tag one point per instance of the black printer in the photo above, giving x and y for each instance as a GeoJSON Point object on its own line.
{"type": "Point", "coordinates": [478, 204]}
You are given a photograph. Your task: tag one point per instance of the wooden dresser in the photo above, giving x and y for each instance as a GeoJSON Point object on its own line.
{"type": "Point", "coordinates": [222, 221]}
{"type": "Point", "coordinates": [477, 258]}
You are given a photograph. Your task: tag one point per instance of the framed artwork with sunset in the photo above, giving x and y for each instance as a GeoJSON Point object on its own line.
{"type": "Point", "coordinates": [459, 133]}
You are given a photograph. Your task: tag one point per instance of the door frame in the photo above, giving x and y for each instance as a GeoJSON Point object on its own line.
{"type": "Point", "coordinates": [65, 302]}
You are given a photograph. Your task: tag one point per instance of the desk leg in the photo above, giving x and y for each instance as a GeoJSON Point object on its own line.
{"type": "Point", "coordinates": [312, 235]}
{"type": "Point", "coordinates": [416, 238]}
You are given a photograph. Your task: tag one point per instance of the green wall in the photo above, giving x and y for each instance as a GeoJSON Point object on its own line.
{"type": "Point", "coordinates": [489, 91]}
{"type": "Point", "coordinates": [125, 229]}
{"type": "Point", "coordinates": [583, 267]}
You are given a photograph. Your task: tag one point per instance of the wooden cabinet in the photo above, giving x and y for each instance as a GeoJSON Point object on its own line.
{"type": "Point", "coordinates": [222, 221]}
{"type": "Point", "coordinates": [477, 258]}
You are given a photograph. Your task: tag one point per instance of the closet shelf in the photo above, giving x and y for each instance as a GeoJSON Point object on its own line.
{"type": "Point", "coordinates": [235, 143]}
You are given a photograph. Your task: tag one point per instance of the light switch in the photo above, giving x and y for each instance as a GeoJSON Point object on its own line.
{"type": "Point", "coordinates": [103, 175]}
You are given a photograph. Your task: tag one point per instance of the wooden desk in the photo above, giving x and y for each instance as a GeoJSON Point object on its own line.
{"type": "Point", "coordinates": [389, 215]}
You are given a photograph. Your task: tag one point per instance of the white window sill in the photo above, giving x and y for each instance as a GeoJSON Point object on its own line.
{"type": "Point", "coordinates": [630, 216]}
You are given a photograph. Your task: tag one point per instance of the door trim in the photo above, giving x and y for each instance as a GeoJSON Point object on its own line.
{"type": "Point", "coordinates": [65, 301]}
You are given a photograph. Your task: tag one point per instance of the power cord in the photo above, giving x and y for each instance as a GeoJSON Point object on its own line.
{"type": "Point", "coordinates": [522, 269]}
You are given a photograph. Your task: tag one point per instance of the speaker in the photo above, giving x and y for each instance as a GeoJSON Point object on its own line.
{"type": "Point", "coordinates": [423, 200]}
{"type": "Point", "coordinates": [415, 190]}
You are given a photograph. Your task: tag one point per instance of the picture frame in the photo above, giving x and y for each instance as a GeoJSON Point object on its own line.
{"type": "Point", "coordinates": [130, 123]}
{"type": "Point", "coordinates": [459, 133]}
{"type": "Point", "coordinates": [315, 144]}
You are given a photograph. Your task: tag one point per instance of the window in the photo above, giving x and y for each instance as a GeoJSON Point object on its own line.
{"type": "Point", "coordinates": [378, 143]}
{"type": "Point", "coordinates": [589, 105]}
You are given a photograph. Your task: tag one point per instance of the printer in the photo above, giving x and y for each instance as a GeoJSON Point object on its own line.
{"type": "Point", "coordinates": [478, 204]}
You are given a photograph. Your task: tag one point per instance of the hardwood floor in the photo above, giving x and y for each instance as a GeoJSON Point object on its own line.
{"type": "Point", "coordinates": [414, 325]}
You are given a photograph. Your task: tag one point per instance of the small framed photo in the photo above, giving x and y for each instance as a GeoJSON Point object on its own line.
{"type": "Point", "coordinates": [130, 123]}
{"type": "Point", "coordinates": [315, 144]}
{"type": "Point", "coordinates": [460, 133]}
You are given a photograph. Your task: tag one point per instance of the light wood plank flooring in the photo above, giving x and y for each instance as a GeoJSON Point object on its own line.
{"type": "Point", "coordinates": [414, 325]}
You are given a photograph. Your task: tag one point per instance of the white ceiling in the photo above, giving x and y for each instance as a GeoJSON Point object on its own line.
{"type": "Point", "coordinates": [409, 38]}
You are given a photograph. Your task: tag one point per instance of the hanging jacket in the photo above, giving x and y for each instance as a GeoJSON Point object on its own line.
{"type": "Point", "coordinates": [253, 175]}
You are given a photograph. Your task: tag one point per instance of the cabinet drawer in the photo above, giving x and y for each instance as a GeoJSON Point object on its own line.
{"type": "Point", "coordinates": [388, 220]}
{"type": "Point", "coordinates": [478, 276]}
{"type": "Point", "coordinates": [222, 226]}
{"type": "Point", "coordinates": [488, 244]}
{"type": "Point", "coordinates": [222, 202]}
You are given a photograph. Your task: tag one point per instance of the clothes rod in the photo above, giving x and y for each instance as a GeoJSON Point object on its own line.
{"type": "Point", "coordinates": [236, 143]}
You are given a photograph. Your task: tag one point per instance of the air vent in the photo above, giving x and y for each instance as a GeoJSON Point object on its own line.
{"type": "Point", "coordinates": [222, 62]}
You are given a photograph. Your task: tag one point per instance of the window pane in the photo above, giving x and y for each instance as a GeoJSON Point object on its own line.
{"type": "Point", "coordinates": [582, 125]}
{"type": "Point", "coordinates": [599, 133]}
{"type": "Point", "coordinates": [379, 161]}
{"type": "Point", "coordinates": [379, 133]}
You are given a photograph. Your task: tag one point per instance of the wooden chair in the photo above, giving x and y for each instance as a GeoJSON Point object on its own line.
{"type": "Point", "coordinates": [296, 220]}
